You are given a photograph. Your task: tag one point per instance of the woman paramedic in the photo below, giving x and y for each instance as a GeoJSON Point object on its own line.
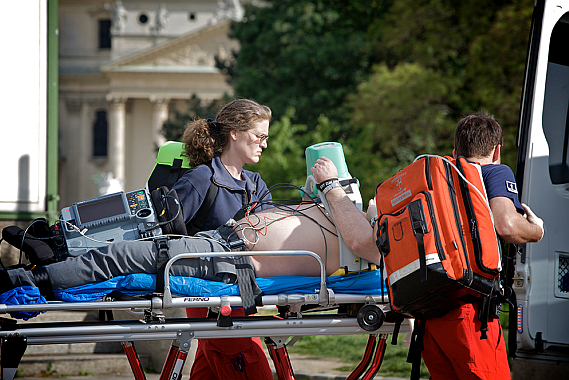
{"type": "Point", "coordinates": [218, 149]}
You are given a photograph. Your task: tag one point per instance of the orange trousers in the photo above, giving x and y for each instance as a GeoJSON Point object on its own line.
{"type": "Point", "coordinates": [228, 359]}
{"type": "Point", "coordinates": [453, 348]}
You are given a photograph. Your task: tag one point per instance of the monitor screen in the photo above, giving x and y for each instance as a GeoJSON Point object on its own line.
{"type": "Point", "coordinates": [101, 208]}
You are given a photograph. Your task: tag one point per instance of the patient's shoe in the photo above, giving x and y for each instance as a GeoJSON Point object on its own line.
{"type": "Point", "coordinates": [5, 282]}
{"type": "Point", "coordinates": [37, 251]}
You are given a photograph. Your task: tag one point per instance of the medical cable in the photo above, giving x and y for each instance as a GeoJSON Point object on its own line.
{"type": "Point", "coordinates": [325, 214]}
{"type": "Point", "coordinates": [294, 211]}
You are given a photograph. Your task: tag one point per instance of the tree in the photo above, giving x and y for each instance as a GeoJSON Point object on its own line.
{"type": "Point", "coordinates": [494, 77]}
{"type": "Point", "coordinates": [398, 114]}
{"type": "Point", "coordinates": [389, 80]}
{"type": "Point", "coordinates": [283, 164]}
{"type": "Point", "coordinates": [173, 128]}
{"type": "Point", "coordinates": [308, 55]}
{"type": "Point", "coordinates": [478, 45]}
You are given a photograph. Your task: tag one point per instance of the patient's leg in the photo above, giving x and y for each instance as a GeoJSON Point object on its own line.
{"type": "Point", "coordinates": [125, 258]}
{"type": "Point", "coordinates": [307, 229]}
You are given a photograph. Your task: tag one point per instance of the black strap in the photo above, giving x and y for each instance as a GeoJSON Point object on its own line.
{"type": "Point", "coordinates": [419, 225]}
{"type": "Point", "coordinates": [13, 348]}
{"type": "Point", "coordinates": [250, 292]}
{"type": "Point", "coordinates": [395, 333]}
{"type": "Point", "coordinates": [168, 211]}
{"type": "Point", "coordinates": [200, 218]}
{"type": "Point", "coordinates": [166, 174]}
{"type": "Point", "coordinates": [484, 316]}
{"type": "Point", "coordinates": [174, 172]}
{"type": "Point", "coordinates": [41, 278]}
{"type": "Point", "coordinates": [117, 295]}
{"type": "Point", "coordinates": [106, 315]}
{"type": "Point", "coordinates": [161, 259]}
{"type": "Point", "coordinates": [416, 348]}
{"type": "Point", "coordinates": [382, 241]}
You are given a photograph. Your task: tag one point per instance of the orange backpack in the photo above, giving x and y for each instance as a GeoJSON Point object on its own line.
{"type": "Point", "coordinates": [436, 236]}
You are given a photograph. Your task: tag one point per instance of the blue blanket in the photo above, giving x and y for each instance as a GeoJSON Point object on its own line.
{"type": "Point", "coordinates": [142, 284]}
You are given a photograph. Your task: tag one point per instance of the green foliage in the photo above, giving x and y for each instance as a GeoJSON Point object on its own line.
{"type": "Point", "coordinates": [304, 54]}
{"type": "Point", "coordinates": [394, 362]}
{"type": "Point", "coordinates": [284, 162]}
{"type": "Point", "coordinates": [397, 115]}
{"type": "Point", "coordinates": [478, 46]}
{"type": "Point", "coordinates": [174, 127]}
{"type": "Point", "coordinates": [391, 78]}
{"type": "Point", "coordinates": [495, 83]}
{"type": "Point", "coordinates": [282, 165]}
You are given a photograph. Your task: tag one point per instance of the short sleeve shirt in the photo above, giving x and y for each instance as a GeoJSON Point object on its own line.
{"type": "Point", "coordinates": [500, 182]}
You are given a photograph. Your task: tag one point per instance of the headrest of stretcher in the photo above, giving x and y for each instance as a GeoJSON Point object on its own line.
{"type": "Point", "coordinates": [171, 164]}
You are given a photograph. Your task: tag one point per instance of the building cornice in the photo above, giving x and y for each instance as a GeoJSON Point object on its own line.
{"type": "Point", "coordinates": [141, 59]}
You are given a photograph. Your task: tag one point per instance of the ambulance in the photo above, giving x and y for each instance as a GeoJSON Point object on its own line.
{"type": "Point", "coordinates": [538, 273]}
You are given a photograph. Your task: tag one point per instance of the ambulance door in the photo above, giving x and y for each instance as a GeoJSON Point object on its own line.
{"type": "Point", "coordinates": [541, 273]}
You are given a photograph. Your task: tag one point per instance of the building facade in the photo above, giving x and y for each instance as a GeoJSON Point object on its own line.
{"type": "Point", "coordinates": [124, 66]}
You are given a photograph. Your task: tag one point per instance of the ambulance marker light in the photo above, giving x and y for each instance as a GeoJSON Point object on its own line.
{"type": "Point", "coordinates": [520, 319]}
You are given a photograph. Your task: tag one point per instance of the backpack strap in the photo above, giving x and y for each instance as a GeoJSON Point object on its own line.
{"type": "Point", "coordinates": [198, 222]}
{"type": "Point", "coordinates": [416, 348]}
{"type": "Point", "coordinates": [174, 172]}
{"type": "Point", "coordinates": [162, 257]}
{"type": "Point", "coordinates": [420, 228]}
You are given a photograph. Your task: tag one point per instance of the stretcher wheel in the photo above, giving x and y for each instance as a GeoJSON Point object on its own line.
{"type": "Point", "coordinates": [370, 317]}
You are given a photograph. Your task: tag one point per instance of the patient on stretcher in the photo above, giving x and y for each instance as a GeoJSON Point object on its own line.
{"type": "Point", "coordinates": [303, 227]}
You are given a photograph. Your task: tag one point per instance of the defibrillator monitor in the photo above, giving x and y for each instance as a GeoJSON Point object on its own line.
{"type": "Point", "coordinates": [107, 219]}
{"type": "Point", "coordinates": [101, 210]}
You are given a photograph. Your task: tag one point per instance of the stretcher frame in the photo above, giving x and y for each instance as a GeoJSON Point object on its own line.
{"type": "Point", "coordinates": [279, 332]}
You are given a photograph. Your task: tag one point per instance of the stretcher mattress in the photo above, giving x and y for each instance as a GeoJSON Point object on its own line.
{"type": "Point", "coordinates": [142, 284]}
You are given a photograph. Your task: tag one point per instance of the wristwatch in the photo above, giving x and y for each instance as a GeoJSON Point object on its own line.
{"type": "Point", "coordinates": [373, 221]}
{"type": "Point", "coordinates": [328, 185]}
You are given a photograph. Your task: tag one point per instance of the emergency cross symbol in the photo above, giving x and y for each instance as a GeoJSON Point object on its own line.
{"type": "Point", "coordinates": [398, 184]}
{"type": "Point", "coordinates": [511, 187]}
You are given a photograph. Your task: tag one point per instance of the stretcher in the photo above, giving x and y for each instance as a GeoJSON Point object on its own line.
{"type": "Point", "coordinates": [365, 311]}
{"type": "Point", "coordinates": [356, 303]}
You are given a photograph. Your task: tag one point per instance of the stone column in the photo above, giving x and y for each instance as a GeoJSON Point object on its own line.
{"type": "Point", "coordinates": [117, 139]}
{"type": "Point", "coordinates": [74, 150]}
{"type": "Point", "coordinates": [159, 116]}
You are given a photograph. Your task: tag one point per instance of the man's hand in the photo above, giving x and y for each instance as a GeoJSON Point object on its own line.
{"type": "Point", "coordinates": [324, 169]}
{"type": "Point", "coordinates": [371, 210]}
{"type": "Point", "coordinates": [532, 218]}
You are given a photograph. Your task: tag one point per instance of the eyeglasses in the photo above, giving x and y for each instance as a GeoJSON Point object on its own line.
{"type": "Point", "coordinates": [261, 137]}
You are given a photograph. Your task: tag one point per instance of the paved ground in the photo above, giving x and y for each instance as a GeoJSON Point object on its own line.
{"type": "Point", "coordinates": [305, 368]}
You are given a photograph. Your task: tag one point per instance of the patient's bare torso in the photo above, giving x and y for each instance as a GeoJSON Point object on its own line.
{"type": "Point", "coordinates": [305, 227]}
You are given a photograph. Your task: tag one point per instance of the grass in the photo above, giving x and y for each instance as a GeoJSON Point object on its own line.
{"type": "Point", "coordinates": [350, 348]}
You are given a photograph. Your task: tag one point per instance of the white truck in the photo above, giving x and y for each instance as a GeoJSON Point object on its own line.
{"type": "Point", "coordinates": [539, 328]}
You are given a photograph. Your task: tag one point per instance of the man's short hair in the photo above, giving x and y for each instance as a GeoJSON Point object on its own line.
{"type": "Point", "coordinates": [476, 135]}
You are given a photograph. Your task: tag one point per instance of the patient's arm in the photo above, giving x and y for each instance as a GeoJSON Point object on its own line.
{"type": "Point", "coordinates": [308, 230]}
{"type": "Point", "coordinates": [355, 229]}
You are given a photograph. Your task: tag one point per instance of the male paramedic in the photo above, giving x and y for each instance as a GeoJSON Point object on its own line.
{"type": "Point", "coordinates": [452, 345]}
